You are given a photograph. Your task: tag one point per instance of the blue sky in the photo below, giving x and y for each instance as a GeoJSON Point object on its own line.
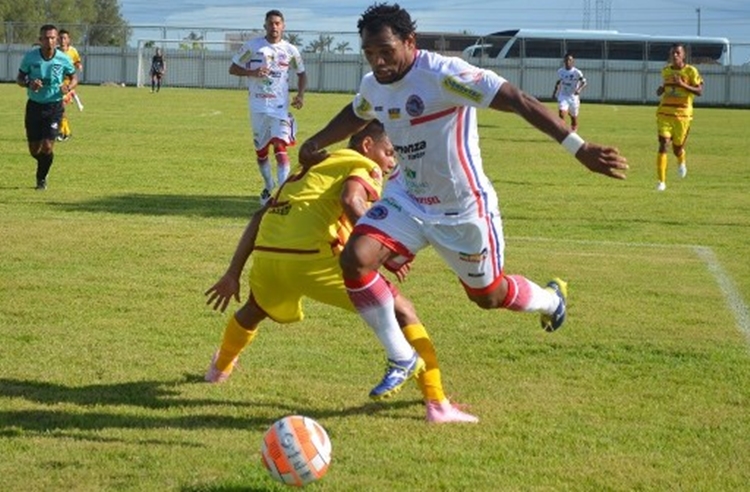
{"type": "Point", "coordinates": [725, 18]}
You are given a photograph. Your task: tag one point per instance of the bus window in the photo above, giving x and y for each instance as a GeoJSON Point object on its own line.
{"type": "Point", "coordinates": [703, 53]}
{"type": "Point", "coordinates": [543, 48]}
{"type": "Point", "coordinates": [514, 50]}
{"type": "Point", "coordinates": [486, 50]}
{"type": "Point", "coordinates": [585, 50]}
{"type": "Point", "coordinates": [625, 50]}
{"type": "Point", "coordinates": [659, 52]}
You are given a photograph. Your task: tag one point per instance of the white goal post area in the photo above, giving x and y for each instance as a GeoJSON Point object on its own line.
{"type": "Point", "coordinates": [189, 63]}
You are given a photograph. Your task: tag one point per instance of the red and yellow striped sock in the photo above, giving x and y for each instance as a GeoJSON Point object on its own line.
{"type": "Point", "coordinates": [430, 382]}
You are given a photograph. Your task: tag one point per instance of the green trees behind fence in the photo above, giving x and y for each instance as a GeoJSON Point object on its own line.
{"type": "Point", "coordinates": [90, 22]}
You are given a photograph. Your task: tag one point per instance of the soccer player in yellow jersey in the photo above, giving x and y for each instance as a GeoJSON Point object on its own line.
{"type": "Point", "coordinates": [296, 240]}
{"type": "Point", "coordinates": [75, 57]}
{"type": "Point", "coordinates": [680, 84]}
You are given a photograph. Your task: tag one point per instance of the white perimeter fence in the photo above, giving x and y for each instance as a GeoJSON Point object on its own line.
{"type": "Point", "coordinates": [206, 65]}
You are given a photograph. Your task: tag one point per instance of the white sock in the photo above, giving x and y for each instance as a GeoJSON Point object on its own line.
{"type": "Point", "coordinates": [374, 302]}
{"type": "Point", "coordinates": [282, 172]}
{"type": "Point", "coordinates": [266, 172]}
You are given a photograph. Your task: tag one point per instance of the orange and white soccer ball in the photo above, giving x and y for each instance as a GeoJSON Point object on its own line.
{"type": "Point", "coordinates": [296, 450]}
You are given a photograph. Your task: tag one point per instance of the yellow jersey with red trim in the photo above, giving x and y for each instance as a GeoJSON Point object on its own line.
{"type": "Point", "coordinates": [306, 219]}
{"type": "Point", "coordinates": [74, 56]}
{"type": "Point", "coordinates": [676, 101]}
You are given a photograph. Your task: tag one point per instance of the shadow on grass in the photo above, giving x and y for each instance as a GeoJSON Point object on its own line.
{"type": "Point", "coordinates": [150, 395]}
{"type": "Point", "coordinates": [180, 205]}
{"type": "Point", "coordinates": [146, 394]}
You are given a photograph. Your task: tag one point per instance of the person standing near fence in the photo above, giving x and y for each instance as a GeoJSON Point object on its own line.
{"type": "Point", "coordinates": [48, 76]}
{"type": "Point", "coordinates": [680, 84]}
{"type": "Point", "coordinates": [570, 83]}
{"type": "Point", "coordinates": [266, 62]}
{"type": "Point", "coordinates": [75, 57]}
{"type": "Point", "coordinates": [157, 70]}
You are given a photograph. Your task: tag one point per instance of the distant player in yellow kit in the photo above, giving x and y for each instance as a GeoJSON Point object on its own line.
{"type": "Point", "coordinates": [296, 240]}
{"type": "Point", "coordinates": [75, 57]}
{"type": "Point", "coordinates": [680, 84]}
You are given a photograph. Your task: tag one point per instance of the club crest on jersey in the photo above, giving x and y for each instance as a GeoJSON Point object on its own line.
{"type": "Point", "coordinates": [378, 212]}
{"type": "Point", "coordinates": [414, 105]}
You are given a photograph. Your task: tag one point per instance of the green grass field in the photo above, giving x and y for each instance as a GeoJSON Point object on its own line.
{"type": "Point", "coordinates": [105, 335]}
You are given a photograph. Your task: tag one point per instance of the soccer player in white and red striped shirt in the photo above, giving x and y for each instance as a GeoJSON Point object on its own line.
{"type": "Point", "coordinates": [439, 195]}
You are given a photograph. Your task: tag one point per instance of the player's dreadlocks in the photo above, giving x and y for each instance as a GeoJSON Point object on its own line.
{"type": "Point", "coordinates": [381, 15]}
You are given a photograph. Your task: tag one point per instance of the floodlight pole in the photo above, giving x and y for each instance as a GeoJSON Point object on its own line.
{"type": "Point", "coordinates": [698, 11]}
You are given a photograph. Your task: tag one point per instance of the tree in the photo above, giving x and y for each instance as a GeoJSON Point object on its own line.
{"type": "Point", "coordinates": [21, 20]}
{"type": "Point", "coordinates": [93, 22]}
{"type": "Point", "coordinates": [293, 38]}
{"type": "Point", "coordinates": [342, 47]}
{"type": "Point", "coordinates": [192, 42]}
{"type": "Point", "coordinates": [320, 45]}
{"type": "Point", "coordinates": [108, 28]}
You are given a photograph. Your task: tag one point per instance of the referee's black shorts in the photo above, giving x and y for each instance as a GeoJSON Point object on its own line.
{"type": "Point", "coordinates": [43, 120]}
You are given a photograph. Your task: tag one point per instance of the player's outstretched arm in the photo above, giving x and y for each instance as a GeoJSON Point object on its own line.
{"type": "Point", "coordinates": [342, 126]}
{"type": "Point", "coordinates": [597, 158]}
{"type": "Point", "coordinates": [228, 286]}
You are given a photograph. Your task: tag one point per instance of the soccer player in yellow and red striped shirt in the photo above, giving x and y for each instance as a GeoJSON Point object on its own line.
{"type": "Point", "coordinates": [680, 84]}
{"type": "Point", "coordinates": [296, 241]}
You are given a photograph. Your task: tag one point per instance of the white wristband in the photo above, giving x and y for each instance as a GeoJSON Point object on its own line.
{"type": "Point", "coordinates": [572, 143]}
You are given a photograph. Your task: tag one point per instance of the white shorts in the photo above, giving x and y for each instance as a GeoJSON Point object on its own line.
{"type": "Point", "coordinates": [570, 104]}
{"type": "Point", "coordinates": [473, 249]}
{"type": "Point", "coordinates": [267, 127]}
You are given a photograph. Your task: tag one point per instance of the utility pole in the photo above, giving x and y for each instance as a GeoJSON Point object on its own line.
{"type": "Point", "coordinates": [698, 11]}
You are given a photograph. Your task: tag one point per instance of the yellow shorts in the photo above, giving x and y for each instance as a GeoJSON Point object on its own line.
{"type": "Point", "coordinates": [672, 128]}
{"type": "Point", "coordinates": [278, 286]}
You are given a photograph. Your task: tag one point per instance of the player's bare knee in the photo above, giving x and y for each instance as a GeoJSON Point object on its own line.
{"type": "Point", "coordinates": [350, 263]}
{"type": "Point", "coordinates": [486, 301]}
{"type": "Point", "coordinates": [361, 256]}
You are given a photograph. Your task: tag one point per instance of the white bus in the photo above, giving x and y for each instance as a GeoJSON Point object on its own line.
{"type": "Point", "coordinates": [596, 45]}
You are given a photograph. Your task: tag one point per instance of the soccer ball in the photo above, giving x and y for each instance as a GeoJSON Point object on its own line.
{"type": "Point", "coordinates": [296, 450]}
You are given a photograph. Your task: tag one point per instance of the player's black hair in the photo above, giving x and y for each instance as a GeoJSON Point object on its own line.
{"type": "Point", "coordinates": [274, 13]}
{"type": "Point", "coordinates": [679, 45]}
{"type": "Point", "coordinates": [568, 54]}
{"type": "Point", "coordinates": [63, 31]}
{"type": "Point", "coordinates": [48, 27]}
{"type": "Point", "coordinates": [380, 15]}
{"type": "Point", "coordinates": [374, 130]}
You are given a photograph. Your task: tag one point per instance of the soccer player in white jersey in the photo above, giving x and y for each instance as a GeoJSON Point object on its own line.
{"type": "Point", "coordinates": [266, 62]}
{"type": "Point", "coordinates": [570, 83]}
{"type": "Point", "coordinates": [438, 195]}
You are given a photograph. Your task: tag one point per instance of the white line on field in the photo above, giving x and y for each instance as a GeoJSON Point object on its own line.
{"type": "Point", "coordinates": [734, 299]}
{"type": "Point", "coordinates": [732, 296]}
